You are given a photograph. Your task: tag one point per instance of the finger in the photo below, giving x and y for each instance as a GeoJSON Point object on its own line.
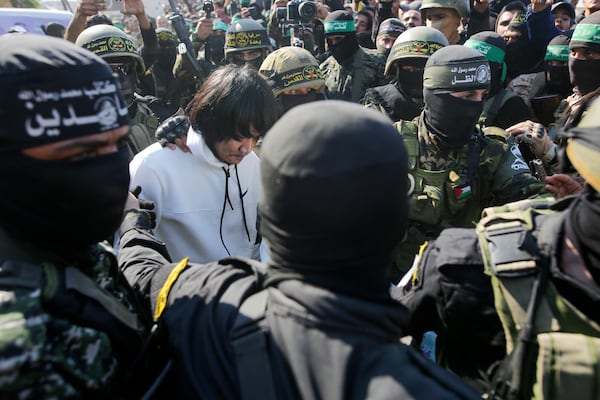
{"type": "Point", "coordinates": [539, 131]}
{"type": "Point", "coordinates": [146, 205]}
{"type": "Point", "coordinates": [180, 142]}
{"type": "Point", "coordinates": [517, 128]}
{"type": "Point", "coordinates": [552, 189]}
{"type": "Point", "coordinates": [136, 190]}
{"type": "Point", "coordinates": [515, 131]}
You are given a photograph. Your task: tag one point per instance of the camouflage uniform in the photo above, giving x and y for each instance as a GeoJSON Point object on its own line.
{"type": "Point", "coordinates": [50, 343]}
{"type": "Point", "coordinates": [450, 188]}
{"type": "Point", "coordinates": [143, 125]}
{"type": "Point", "coordinates": [350, 82]}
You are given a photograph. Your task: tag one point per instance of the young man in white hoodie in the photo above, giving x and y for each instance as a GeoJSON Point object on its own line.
{"type": "Point", "coordinates": [206, 198]}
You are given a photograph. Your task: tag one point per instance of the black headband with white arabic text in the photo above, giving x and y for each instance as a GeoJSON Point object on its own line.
{"type": "Point", "coordinates": [46, 111]}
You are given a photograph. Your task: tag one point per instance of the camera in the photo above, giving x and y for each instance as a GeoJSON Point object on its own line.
{"type": "Point", "coordinates": [254, 12]}
{"type": "Point", "coordinates": [300, 11]}
{"type": "Point", "coordinates": [208, 8]}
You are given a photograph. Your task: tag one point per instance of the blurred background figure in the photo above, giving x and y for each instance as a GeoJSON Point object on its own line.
{"type": "Point", "coordinates": [121, 54]}
{"type": "Point", "coordinates": [54, 29]}
{"type": "Point", "coordinates": [502, 108]}
{"type": "Point", "coordinates": [350, 69]}
{"type": "Point", "coordinates": [389, 30]}
{"type": "Point", "coordinates": [294, 75]}
{"type": "Point", "coordinates": [411, 18]}
{"type": "Point", "coordinates": [563, 13]}
{"type": "Point", "coordinates": [558, 81]}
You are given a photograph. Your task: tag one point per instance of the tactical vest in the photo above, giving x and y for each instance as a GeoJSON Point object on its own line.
{"type": "Point", "coordinates": [438, 199]}
{"type": "Point", "coordinates": [77, 330]}
{"type": "Point", "coordinates": [553, 349]}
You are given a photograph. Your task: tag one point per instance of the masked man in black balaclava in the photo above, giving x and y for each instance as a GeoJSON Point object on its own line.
{"type": "Point", "coordinates": [168, 87]}
{"type": "Point", "coordinates": [584, 61]}
{"type": "Point", "coordinates": [456, 170]}
{"type": "Point", "coordinates": [214, 49]}
{"type": "Point", "coordinates": [558, 81]}
{"type": "Point", "coordinates": [332, 207]}
{"type": "Point", "coordinates": [350, 69]}
{"type": "Point", "coordinates": [71, 320]}
{"type": "Point", "coordinates": [502, 108]}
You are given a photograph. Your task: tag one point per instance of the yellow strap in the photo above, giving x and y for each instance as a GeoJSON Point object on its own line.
{"type": "Point", "coordinates": [163, 295]}
{"type": "Point", "coordinates": [415, 274]}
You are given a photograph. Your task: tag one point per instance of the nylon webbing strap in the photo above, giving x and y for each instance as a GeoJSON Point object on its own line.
{"type": "Point", "coordinates": [250, 347]}
{"type": "Point", "coordinates": [76, 280]}
{"type": "Point", "coordinates": [163, 295]}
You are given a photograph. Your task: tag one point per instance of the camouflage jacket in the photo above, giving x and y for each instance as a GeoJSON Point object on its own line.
{"type": "Point", "coordinates": [67, 332]}
{"type": "Point", "coordinates": [350, 82]}
{"type": "Point", "coordinates": [450, 188]}
{"type": "Point", "coordinates": [143, 126]}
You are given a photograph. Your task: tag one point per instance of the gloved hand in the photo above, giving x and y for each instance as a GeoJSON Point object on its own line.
{"type": "Point", "coordinates": [172, 133]}
{"type": "Point", "coordinates": [144, 205]}
{"type": "Point", "coordinates": [536, 137]}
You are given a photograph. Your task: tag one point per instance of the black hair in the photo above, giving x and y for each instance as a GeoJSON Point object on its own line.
{"type": "Point", "coordinates": [98, 19]}
{"type": "Point", "coordinates": [516, 5]}
{"type": "Point", "coordinates": [231, 100]}
{"type": "Point", "coordinates": [369, 17]}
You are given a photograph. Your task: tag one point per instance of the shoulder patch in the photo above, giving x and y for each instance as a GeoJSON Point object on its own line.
{"type": "Point", "coordinates": [494, 132]}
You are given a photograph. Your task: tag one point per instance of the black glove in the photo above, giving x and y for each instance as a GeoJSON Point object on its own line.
{"type": "Point", "coordinates": [172, 128]}
{"type": "Point", "coordinates": [145, 205]}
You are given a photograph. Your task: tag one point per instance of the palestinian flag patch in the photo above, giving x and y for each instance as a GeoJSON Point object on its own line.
{"type": "Point", "coordinates": [462, 192]}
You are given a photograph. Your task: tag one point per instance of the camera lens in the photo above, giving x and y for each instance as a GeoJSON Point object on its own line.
{"type": "Point", "coordinates": [307, 10]}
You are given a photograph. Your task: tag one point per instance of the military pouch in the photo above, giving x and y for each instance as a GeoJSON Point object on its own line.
{"type": "Point", "coordinates": [567, 366]}
{"type": "Point", "coordinates": [426, 203]}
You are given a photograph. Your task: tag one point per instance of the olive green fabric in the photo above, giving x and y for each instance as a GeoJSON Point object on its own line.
{"type": "Point", "coordinates": [567, 344]}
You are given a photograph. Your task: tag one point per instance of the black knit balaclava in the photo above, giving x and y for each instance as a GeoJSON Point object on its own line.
{"type": "Point", "coordinates": [53, 91]}
{"type": "Point", "coordinates": [453, 68]}
{"type": "Point", "coordinates": [334, 197]}
{"type": "Point", "coordinates": [584, 73]}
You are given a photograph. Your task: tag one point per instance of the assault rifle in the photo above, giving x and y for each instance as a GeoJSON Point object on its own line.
{"type": "Point", "coordinates": [183, 34]}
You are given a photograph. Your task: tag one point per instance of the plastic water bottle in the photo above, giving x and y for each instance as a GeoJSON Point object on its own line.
{"type": "Point", "coordinates": [428, 345]}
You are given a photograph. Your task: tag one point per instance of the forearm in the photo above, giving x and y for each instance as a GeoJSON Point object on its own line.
{"type": "Point", "coordinates": [140, 254]}
{"type": "Point", "coordinates": [75, 27]}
